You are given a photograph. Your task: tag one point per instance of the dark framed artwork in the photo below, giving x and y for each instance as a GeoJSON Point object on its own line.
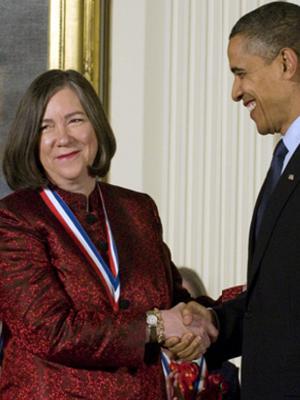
{"type": "Point", "coordinates": [23, 55]}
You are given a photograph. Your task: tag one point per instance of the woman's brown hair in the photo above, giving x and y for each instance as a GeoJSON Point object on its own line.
{"type": "Point", "coordinates": [21, 165]}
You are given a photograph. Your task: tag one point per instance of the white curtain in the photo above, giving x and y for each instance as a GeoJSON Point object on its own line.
{"type": "Point", "coordinates": [180, 136]}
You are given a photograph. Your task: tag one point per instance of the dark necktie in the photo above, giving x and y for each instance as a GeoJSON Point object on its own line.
{"type": "Point", "coordinates": [271, 181]}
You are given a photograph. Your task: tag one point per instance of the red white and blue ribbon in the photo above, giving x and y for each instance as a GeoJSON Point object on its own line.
{"type": "Point", "coordinates": [182, 376]}
{"type": "Point", "coordinates": [109, 275]}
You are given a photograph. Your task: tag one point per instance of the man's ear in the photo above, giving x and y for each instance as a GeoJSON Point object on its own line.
{"type": "Point", "coordinates": [289, 61]}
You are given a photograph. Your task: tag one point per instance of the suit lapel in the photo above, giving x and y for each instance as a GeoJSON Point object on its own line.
{"type": "Point", "coordinates": [285, 187]}
{"type": "Point", "coordinates": [253, 221]}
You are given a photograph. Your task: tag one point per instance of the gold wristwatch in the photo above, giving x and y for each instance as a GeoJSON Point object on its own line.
{"type": "Point", "coordinates": [155, 326]}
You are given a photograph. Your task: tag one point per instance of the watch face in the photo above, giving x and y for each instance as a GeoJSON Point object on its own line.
{"type": "Point", "coordinates": [152, 320]}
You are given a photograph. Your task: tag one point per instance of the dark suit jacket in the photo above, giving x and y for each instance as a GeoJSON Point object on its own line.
{"type": "Point", "coordinates": [263, 324]}
{"type": "Point", "coordinates": [62, 338]}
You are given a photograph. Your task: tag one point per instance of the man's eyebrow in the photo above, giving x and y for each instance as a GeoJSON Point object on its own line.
{"type": "Point", "coordinates": [237, 70]}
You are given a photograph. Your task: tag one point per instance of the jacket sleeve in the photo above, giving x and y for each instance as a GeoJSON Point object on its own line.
{"type": "Point", "coordinates": [179, 293]}
{"type": "Point", "coordinates": [229, 343]}
{"type": "Point", "coordinates": [42, 318]}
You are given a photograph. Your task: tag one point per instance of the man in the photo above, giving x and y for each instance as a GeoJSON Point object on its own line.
{"type": "Point", "coordinates": [263, 324]}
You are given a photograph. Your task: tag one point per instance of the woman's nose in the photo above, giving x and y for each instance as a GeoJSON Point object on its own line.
{"type": "Point", "coordinates": [63, 136]}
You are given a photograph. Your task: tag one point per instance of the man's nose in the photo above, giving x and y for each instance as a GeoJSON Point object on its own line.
{"type": "Point", "coordinates": [236, 92]}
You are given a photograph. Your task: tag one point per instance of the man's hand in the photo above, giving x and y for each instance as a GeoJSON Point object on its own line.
{"type": "Point", "coordinates": [201, 332]}
{"type": "Point", "coordinates": [195, 313]}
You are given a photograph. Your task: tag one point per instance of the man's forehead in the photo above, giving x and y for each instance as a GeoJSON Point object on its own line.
{"type": "Point", "coordinates": [236, 54]}
{"type": "Point", "coordinates": [238, 44]}
{"type": "Point", "coordinates": [241, 53]}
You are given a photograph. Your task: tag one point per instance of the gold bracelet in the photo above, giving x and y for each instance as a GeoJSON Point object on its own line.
{"type": "Point", "coordinates": [160, 329]}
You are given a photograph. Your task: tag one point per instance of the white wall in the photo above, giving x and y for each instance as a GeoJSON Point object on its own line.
{"type": "Point", "coordinates": [180, 137]}
{"type": "Point", "coordinates": [127, 91]}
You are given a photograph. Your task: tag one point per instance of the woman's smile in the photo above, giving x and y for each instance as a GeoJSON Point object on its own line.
{"type": "Point", "coordinates": [68, 156]}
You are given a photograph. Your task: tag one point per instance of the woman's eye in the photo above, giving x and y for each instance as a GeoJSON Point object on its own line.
{"type": "Point", "coordinates": [76, 120]}
{"type": "Point", "coordinates": [43, 128]}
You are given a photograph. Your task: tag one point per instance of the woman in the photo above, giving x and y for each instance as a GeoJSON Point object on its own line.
{"type": "Point", "coordinates": [83, 264]}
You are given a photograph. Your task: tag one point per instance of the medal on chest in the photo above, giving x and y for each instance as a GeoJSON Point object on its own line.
{"type": "Point", "coordinates": [109, 274]}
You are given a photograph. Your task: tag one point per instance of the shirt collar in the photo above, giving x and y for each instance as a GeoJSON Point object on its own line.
{"type": "Point", "coordinates": [291, 139]}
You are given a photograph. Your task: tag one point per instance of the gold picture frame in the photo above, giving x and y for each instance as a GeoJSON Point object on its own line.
{"type": "Point", "coordinates": [78, 39]}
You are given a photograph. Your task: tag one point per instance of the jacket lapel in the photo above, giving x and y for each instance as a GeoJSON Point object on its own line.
{"type": "Point", "coordinates": [285, 187]}
{"type": "Point", "coordinates": [253, 221]}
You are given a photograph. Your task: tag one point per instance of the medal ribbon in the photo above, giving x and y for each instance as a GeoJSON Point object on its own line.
{"type": "Point", "coordinates": [108, 275]}
{"type": "Point", "coordinates": [184, 379]}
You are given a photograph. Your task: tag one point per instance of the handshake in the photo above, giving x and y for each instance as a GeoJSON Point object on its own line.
{"type": "Point", "coordinates": [188, 330]}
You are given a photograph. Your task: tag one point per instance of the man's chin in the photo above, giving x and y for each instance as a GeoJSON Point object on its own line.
{"type": "Point", "coordinates": [263, 130]}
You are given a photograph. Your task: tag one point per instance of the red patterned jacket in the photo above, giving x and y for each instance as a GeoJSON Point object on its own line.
{"type": "Point", "coordinates": [62, 339]}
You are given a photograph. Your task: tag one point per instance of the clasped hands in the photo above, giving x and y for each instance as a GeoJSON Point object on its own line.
{"type": "Point", "coordinates": [189, 330]}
